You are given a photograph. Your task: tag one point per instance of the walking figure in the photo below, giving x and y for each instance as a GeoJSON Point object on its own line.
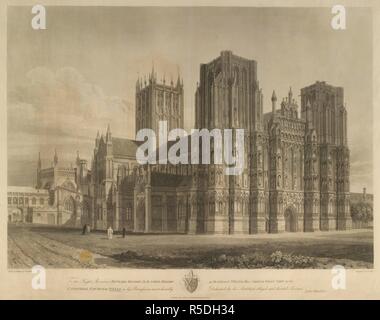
{"type": "Point", "coordinates": [109, 233]}
{"type": "Point", "coordinates": [84, 229]}
{"type": "Point", "coordinates": [124, 232]}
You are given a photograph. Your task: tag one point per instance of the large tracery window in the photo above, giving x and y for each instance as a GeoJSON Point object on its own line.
{"type": "Point", "coordinates": [86, 208]}
{"type": "Point", "coordinates": [69, 204]}
{"type": "Point", "coordinates": [129, 213]}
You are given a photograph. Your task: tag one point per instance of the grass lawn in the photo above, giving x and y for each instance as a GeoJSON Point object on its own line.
{"type": "Point", "coordinates": [353, 249]}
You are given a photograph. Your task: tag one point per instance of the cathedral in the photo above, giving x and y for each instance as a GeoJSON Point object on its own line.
{"type": "Point", "coordinates": [296, 162]}
{"type": "Point", "coordinates": [296, 173]}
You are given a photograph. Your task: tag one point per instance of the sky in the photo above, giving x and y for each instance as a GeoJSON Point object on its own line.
{"type": "Point", "coordinates": [74, 78]}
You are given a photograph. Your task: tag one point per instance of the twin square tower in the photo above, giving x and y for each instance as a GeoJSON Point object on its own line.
{"type": "Point", "coordinates": [296, 168]}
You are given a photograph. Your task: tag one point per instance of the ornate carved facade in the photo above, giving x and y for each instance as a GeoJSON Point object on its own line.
{"type": "Point", "coordinates": [296, 173]}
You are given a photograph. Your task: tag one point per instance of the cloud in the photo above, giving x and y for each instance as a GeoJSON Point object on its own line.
{"type": "Point", "coordinates": [62, 99]}
{"type": "Point", "coordinates": [361, 167]}
{"type": "Point", "coordinates": [60, 109]}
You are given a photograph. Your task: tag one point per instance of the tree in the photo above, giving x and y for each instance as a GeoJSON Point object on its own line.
{"type": "Point", "coordinates": [361, 211]}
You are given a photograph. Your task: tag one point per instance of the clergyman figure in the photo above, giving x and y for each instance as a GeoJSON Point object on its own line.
{"type": "Point", "coordinates": [109, 233]}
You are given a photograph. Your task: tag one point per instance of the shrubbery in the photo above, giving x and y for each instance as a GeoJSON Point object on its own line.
{"type": "Point", "coordinates": [362, 211]}
{"type": "Point", "coordinates": [259, 260]}
{"type": "Point", "coordinates": [280, 260]}
{"type": "Point", "coordinates": [254, 260]}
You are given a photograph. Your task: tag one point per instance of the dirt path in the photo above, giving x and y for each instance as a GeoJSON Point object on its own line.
{"type": "Point", "coordinates": [26, 249]}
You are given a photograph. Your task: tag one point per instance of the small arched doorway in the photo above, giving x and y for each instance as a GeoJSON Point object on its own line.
{"type": "Point", "coordinates": [290, 220]}
{"type": "Point", "coordinates": [140, 215]}
{"type": "Point", "coordinates": [68, 214]}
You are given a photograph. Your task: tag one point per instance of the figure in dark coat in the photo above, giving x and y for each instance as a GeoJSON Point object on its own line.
{"type": "Point", "coordinates": [84, 229]}
{"type": "Point", "coordinates": [124, 232]}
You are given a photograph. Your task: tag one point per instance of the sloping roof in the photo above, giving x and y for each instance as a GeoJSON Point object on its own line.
{"type": "Point", "coordinates": [124, 147]}
{"type": "Point", "coordinates": [24, 189]}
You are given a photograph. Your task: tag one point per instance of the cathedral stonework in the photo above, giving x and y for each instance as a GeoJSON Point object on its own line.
{"type": "Point", "coordinates": [159, 102]}
{"type": "Point", "coordinates": [296, 161]}
{"type": "Point", "coordinates": [296, 173]}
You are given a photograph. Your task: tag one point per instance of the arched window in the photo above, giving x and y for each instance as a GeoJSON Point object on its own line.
{"type": "Point", "coordinates": [244, 77]}
{"type": "Point", "coordinates": [236, 76]}
{"type": "Point", "coordinates": [179, 212]}
{"type": "Point", "coordinates": [69, 204]}
{"type": "Point", "coordinates": [129, 213]}
{"type": "Point", "coordinates": [212, 207]}
{"type": "Point", "coordinates": [210, 78]}
{"type": "Point", "coordinates": [86, 209]}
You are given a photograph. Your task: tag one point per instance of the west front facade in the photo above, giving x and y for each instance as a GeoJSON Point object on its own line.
{"type": "Point", "coordinates": [296, 163]}
{"type": "Point", "coordinates": [296, 166]}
